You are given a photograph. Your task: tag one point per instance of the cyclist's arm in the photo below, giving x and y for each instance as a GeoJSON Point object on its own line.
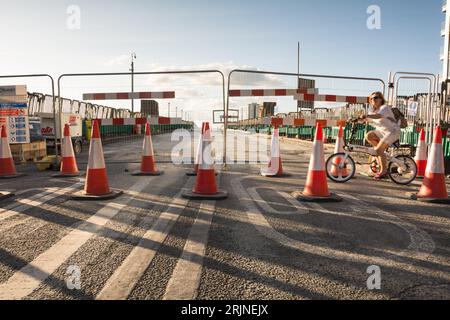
{"type": "Point", "coordinates": [369, 117]}
{"type": "Point", "coordinates": [374, 116]}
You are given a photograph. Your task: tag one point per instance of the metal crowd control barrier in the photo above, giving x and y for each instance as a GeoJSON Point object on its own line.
{"type": "Point", "coordinates": [307, 92]}
{"type": "Point", "coordinates": [53, 99]}
{"type": "Point", "coordinates": [116, 113]}
{"type": "Point", "coordinates": [394, 81]}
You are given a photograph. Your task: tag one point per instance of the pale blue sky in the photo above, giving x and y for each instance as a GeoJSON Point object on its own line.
{"type": "Point", "coordinates": [186, 33]}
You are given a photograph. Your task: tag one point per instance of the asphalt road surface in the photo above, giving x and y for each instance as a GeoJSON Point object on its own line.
{"type": "Point", "coordinates": [260, 243]}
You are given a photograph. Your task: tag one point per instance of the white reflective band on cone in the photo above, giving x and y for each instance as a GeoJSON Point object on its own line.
{"type": "Point", "coordinates": [67, 148]}
{"type": "Point", "coordinates": [276, 144]}
{"type": "Point", "coordinates": [339, 148]}
{"type": "Point", "coordinates": [206, 161]}
{"type": "Point", "coordinates": [148, 147]}
{"type": "Point", "coordinates": [421, 151]}
{"type": "Point", "coordinates": [96, 158]}
{"type": "Point", "coordinates": [435, 161]}
{"type": "Point", "coordinates": [317, 162]}
{"type": "Point", "coordinates": [5, 152]}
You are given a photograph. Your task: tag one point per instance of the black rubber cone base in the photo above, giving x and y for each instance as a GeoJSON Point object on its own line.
{"type": "Point", "coordinates": [194, 174]}
{"type": "Point", "coordinates": [143, 174]}
{"type": "Point", "coordinates": [221, 195]}
{"type": "Point", "coordinates": [60, 175]}
{"type": "Point", "coordinates": [283, 175]}
{"type": "Point", "coordinates": [6, 195]}
{"type": "Point", "coordinates": [18, 175]}
{"type": "Point", "coordinates": [82, 196]}
{"type": "Point", "coordinates": [301, 197]}
{"type": "Point", "coordinates": [429, 200]}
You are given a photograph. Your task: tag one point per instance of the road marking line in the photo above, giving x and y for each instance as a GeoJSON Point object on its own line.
{"type": "Point", "coordinates": [300, 209]}
{"type": "Point", "coordinates": [265, 228]}
{"type": "Point", "coordinates": [35, 201]}
{"type": "Point", "coordinates": [185, 280]}
{"type": "Point", "coordinates": [30, 277]}
{"type": "Point", "coordinates": [120, 285]}
{"type": "Point", "coordinates": [421, 241]}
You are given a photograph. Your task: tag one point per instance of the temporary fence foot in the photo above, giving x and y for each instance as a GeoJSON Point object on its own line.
{"type": "Point", "coordinates": [82, 196]}
{"type": "Point", "coordinates": [150, 174]}
{"type": "Point", "coordinates": [221, 195]}
{"type": "Point", "coordinates": [301, 197]}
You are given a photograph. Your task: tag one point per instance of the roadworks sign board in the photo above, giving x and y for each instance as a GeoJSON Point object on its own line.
{"type": "Point", "coordinates": [14, 113]}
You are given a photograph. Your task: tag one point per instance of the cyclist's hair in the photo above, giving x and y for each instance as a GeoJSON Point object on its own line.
{"type": "Point", "coordinates": [380, 94]}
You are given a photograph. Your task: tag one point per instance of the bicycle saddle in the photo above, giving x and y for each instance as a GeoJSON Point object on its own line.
{"type": "Point", "coordinates": [396, 144]}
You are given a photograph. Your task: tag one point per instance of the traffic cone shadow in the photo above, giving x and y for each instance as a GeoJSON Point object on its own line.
{"type": "Point", "coordinates": [316, 188]}
{"type": "Point", "coordinates": [69, 167]}
{"type": "Point", "coordinates": [7, 166]}
{"type": "Point", "coordinates": [434, 189]}
{"type": "Point", "coordinates": [148, 164]}
{"type": "Point", "coordinates": [97, 185]}
{"type": "Point", "coordinates": [275, 166]}
{"type": "Point", "coordinates": [206, 185]}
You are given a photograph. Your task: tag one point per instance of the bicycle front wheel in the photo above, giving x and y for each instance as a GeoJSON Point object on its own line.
{"type": "Point", "coordinates": [403, 170]}
{"type": "Point", "coordinates": [341, 168]}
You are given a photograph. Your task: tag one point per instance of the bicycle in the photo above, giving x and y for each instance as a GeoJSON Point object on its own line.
{"type": "Point", "coordinates": [341, 167]}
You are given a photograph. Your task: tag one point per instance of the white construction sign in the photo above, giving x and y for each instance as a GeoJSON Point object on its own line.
{"type": "Point", "coordinates": [14, 113]}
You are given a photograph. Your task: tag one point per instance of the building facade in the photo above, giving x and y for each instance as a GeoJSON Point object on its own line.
{"type": "Point", "coordinates": [150, 108]}
{"type": "Point", "coordinates": [445, 33]}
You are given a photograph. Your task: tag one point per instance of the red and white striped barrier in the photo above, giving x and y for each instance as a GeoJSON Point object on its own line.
{"type": "Point", "coordinates": [129, 95]}
{"type": "Point", "coordinates": [139, 121]}
{"type": "Point", "coordinates": [330, 98]}
{"type": "Point", "coordinates": [292, 122]}
{"type": "Point", "coordinates": [271, 92]}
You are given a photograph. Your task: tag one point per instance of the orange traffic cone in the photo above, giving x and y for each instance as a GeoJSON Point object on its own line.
{"type": "Point", "coordinates": [275, 166]}
{"type": "Point", "coordinates": [97, 186]}
{"type": "Point", "coordinates": [433, 188]}
{"type": "Point", "coordinates": [199, 152]}
{"type": "Point", "coordinates": [7, 166]}
{"type": "Point", "coordinates": [421, 155]}
{"type": "Point", "coordinates": [148, 165]}
{"type": "Point", "coordinates": [316, 189]}
{"type": "Point", "coordinates": [206, 184]}
{"type": "Point", "coordinates": [69, 167]}
{"type": "Point", "coordinates": [339, 148]}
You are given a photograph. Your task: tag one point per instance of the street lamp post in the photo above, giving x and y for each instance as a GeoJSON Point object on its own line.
{"type": "Point", "coordinates": [133, 57]}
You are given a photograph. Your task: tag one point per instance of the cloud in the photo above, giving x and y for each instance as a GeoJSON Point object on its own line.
{"type": "Point", "coordinates": [214, 79]}
{"type": "Point", "coordinates": [118, 61]}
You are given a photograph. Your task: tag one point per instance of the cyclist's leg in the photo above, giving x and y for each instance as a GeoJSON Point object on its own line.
{"type": "Point", "coordinates": [386, 141]}
{"type": "Point", "coordinates": [374, 138]}
{"type": "Point", "coordinates": [381, 151]}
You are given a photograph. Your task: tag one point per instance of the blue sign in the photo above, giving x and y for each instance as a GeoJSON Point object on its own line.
{"type": "Point", "coordinates": [13, 106]}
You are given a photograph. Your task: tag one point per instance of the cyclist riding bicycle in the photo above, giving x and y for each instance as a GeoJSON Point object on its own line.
{"type": "Point", "coordinates": [387, 130]}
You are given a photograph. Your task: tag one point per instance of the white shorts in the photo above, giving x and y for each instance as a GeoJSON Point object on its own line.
{"type": "Point", "coordinates": [388, 138]}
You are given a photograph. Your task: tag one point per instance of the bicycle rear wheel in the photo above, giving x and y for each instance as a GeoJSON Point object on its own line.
{"type": "Point", "coordinates": [403, 171]}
